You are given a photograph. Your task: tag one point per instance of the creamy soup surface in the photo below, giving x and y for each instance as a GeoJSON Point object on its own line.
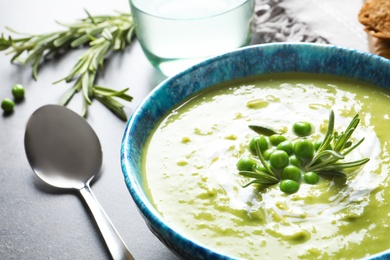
{"type": "Point", "coordinates": [190, 167]}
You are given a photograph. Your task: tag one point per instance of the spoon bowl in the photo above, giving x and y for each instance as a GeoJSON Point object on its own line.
{"type": "Point", "coordinates": [65, 152]}
{"type": "Point", "coordinates": [61, 148]}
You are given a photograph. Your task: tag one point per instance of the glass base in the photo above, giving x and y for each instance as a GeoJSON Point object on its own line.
{"type": "Point", "coordinates": [170, 67]}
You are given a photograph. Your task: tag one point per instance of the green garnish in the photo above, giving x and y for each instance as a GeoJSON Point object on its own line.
{"type": "Point", "coordinates": [101, 33]}
{"type": "Point", "coordinates": [263, 130]}
{"type": "Point", "coordinates": [326, 161]}
{"type": "Point", "coordinates": [289, 162]}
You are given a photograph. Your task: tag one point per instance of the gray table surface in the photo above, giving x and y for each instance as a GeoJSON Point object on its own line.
{"type": "Point", "coordinates": [38, 222]}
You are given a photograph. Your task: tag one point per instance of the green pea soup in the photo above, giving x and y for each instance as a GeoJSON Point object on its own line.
{"type": "Point", "coordinates": [190, 160]}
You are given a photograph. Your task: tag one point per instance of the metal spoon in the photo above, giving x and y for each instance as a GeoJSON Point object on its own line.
{"type": "Point", "coordinates": [65, 152]}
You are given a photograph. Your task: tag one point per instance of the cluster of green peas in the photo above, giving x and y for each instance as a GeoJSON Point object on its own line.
{"type": "Point", "coordinates": [285, 158]}
{"type": "Point", "coordinates": [8, 104]}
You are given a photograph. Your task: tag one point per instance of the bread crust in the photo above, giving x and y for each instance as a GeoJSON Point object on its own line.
{"type": "Point", "coordinates": [375, 16]}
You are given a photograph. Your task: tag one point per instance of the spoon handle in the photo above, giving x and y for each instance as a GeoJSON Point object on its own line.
{"type": "Point", "coordinates": [113, 240]}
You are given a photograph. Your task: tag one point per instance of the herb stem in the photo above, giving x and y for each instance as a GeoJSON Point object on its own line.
{"type": "Point", "coordinates": [101, 33]}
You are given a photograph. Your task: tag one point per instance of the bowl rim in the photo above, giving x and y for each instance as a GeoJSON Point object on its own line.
{"type": "Point", "coordinates": [152, 217]}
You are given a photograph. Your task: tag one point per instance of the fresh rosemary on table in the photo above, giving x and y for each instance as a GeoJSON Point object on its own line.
{"type": "Point", "coordinates": [101, 33]}
{"type": "Point", "coordinates": [326, 160]}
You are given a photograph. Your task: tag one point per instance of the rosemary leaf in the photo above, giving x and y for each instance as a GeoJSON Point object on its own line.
{"type": "Point", "coordinates": [263, 177]}
{"type": "Point", "coordinates": [62, 39]}
{"type": "Point", "coordinates": [330, 155]}
{"type": "Point", "coordinates": [85, 87]}
{"type": "Point", "coordinates": [263, 130]}
{"type": "Point", "coordinates": [5, 43]}
{"type": "Point", "coordinates": [90, 17]}
{"type": "Point", "coordinates": [113, 105]}
{"type": "Point", "coordinates": [84, 110]}
{"type": "Point", "coordinates": [81, 40]}
{"type": "Point", "coordinates": [328, 136]}
{"type": "Point", "coordinates": [35, 65]}
{"type": "Point", "coordinates": [353, 147]}
{"type": "Point", "coordinates": [332, 173]}
{"type": "Point", "coordinates": [67, 96]}
{"type": "Point", "coordinates": [255, 181]}
{"type": "Point", "coordinates": [16, 55]}
{"type": "Point", "coordinates": [351, 164]}
{"type": "Point", "coordinates": [262, 160]}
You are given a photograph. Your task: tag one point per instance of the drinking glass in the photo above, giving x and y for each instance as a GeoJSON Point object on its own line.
{"type": "Point", "coordinates": [175, 34]}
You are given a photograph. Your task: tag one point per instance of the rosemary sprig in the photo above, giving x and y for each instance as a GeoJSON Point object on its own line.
{"type": "Point", "coordinates": [102, 33]}
{"type": "Point", "coordinates": [325, 160]}
{"type": "Point", "coordinates": [267, 177]}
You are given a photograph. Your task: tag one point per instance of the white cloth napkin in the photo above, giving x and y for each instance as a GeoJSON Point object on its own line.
{"type": "Point", "coordinates": [336, 20]}
{"type": "Point", "coordinates": [332, 21]}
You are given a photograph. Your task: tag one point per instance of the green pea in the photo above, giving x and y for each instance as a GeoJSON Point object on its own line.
{"type": "Point", "coordinates": [246, 163]}
{"type": "Point", "coordinates": [302, 128]}
{"type": "Point", "coordinates": [303, 149]}
{"type": "Point", "coordinates": [279, 159]}
{"type": "Point", "coordinates": [260, 168]}
{"type": "Point", "coordinates": [311, 177]}
{"type": "Point", "coordinates": [267, 153]}
{"type": "Point", "coordinates": [289, 186]}
{"type": "Point", "coordinates": [285, 146]}
{"type": "Point", "coordinates": [18, 91]}
{"type": "Point", "coordinates": [277, 139]}
{"type": "Point", "coordinates": [319, 143]}
{"type": "Point", "coordinates": [291, 172]}
{"type": "Point", "coordinates": [7, 105]}
{"type": "Point", "coordinates": [296, 161]}
{"type": "Point", "coordinates": [262, 142]}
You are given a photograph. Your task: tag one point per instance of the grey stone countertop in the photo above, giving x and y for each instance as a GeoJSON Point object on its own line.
{"type": "Point", "coordinates": [39, 222]}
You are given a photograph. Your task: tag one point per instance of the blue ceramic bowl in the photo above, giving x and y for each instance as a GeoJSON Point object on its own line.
{"type": "Point", "coordinates": [249, 61]}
